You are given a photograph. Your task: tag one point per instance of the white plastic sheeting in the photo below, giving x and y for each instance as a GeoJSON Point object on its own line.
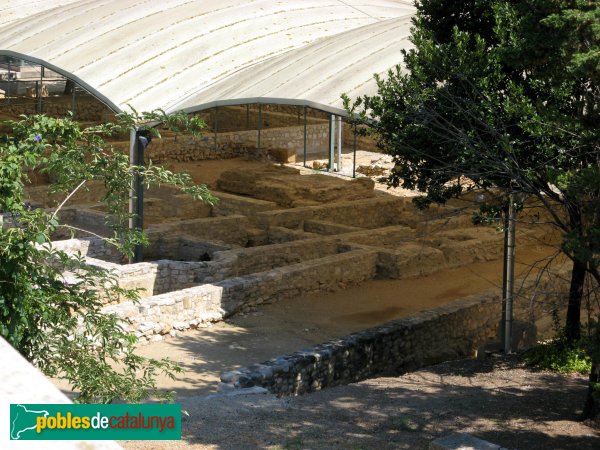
{"type": "Point", "coordinates": [172, 54]}
{"type": "Point", "coordinates": [14, 10]}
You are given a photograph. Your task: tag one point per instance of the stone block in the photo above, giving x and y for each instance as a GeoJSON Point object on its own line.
{"type": "Point", "coordinates": [282, 155]}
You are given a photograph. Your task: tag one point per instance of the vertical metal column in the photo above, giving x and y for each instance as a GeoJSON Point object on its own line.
{"type": "Point", "coordinates": [8, 85]}
{"type": "Point", "coordinates": [259, 126]}
{"type": "Point", "coordinates": [331, 142]}
{"type": "Point", "coordinates": [510, 274]}
{"type": "Point", "coordinates": [139, 195]}
{"type": "Point", "coordinates": [339, 147]}
{"type": "Point", "coordinates": [216, 127]}
{"type": "Point", "coordinates": [132, 201]}
{"type": "Point", "coordinates": [504, 277]}
{"type": "Point", "coordinates": [354, 158]}
{"type": "Point", "coordinates": [141, 141]}
{"type": "Point", "coordinates": [39, 90]}
{"type": "Point", "coordinates": [305, 136]}
{"type": "Point", "coordinates": [74, 101]}
{"type": "Point", "coordinates": [247, 117]}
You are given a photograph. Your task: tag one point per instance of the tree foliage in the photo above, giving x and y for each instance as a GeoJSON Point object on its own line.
{"type": "Point", "coordinates": [55, 323]}
{"type": "Point", "coordinates": [505, 96]}
{"type": "Point", "coordinates": [508, 99]}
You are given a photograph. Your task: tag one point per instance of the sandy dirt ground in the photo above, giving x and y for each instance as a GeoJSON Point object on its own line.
{"type": "Point", "coordinates": [495, 399]}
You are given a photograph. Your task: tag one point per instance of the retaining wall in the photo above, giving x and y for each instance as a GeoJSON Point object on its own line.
{"type": "Point", "coordinates": [231, 230]}
{"type": "Point", "coordinates": [233, 144]}
{"type": "Point", "coordinates": [451, 331]}
{"type": "Point", "coordinates": [194, 306]}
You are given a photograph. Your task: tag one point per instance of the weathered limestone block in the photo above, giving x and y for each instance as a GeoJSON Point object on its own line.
{"type": "Point", "coordinates": [283, 155]}
{"type": "Point", "coordinates": [283, 186]}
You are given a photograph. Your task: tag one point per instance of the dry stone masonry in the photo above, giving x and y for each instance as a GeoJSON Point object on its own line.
{"type": "Point", "coordinates": [452, 331]}
{"type": "Point", "coordinates": [257, 248]}
{"type": "Point", "coordinates": [277, 234]}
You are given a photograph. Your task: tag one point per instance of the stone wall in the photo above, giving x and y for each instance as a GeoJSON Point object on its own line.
{"type": "Point", "coordinates": [246, 117]}
{"type": "Point", "coordinates": [157, 277]}
{"type": "Point", "coordinates": [86, 107]}
{"type": "Point", "coordinates": [237, 132]}
{"type": "Point", "coordinates": [181, 248]}
{"type": "Point", "coordinates": [194, 306]}
{"type": "Point", "coordinates": [399, 254]}
{"type": "Point", "coordinates": [83, 221]}
{"type": "Point", "coordinates": [236, 204]}
{"type": "Point", "coordinates": [330, 273]}
{"type": "Point", "coordinates": [263, 258]}
{"type": "Point", "coordinates": [367, 213]}
{"type": "Point", "coordinates": [233, 144]}
{"type": "Point", "coordinates": [456, 330]}
{"type": "Point", "coordinates": [237, 135]}
{"type": "Point", "coordinates": [40, 196]}
{"type": "Point", "coordinates": [231, 230]}
{"type": "Point", "coordinates": [91, 247]}
{"type": "Point", "coordinates": [404, 254]}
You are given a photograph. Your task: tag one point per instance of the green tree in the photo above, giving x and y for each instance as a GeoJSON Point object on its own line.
{"type": "Point", "coordinates": [506, 94]}
{"type": "Point", "coordinates": [57, 325]}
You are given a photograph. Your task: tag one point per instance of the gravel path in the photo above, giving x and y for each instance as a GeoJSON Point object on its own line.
{"type": "Point", "coordinates": [496, 399]}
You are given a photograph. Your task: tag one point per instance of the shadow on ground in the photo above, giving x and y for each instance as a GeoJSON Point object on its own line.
{"type": "Point", "coordinates": [509, 405]}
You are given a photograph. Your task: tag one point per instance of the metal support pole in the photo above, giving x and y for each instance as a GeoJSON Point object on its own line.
{"type": "Point", "coordinates": [132, 191]}
{"type": "Point", "coordinates": [216, 127]}
{"type": "Point", "coordinates": [354, 158]}
{"type": "Point", "coordinates": [247, 117]}
{"type": "Point", "coordinates": [259, 126]}
{"type": "Point", "coordinates": [504, 277]}
{"type": "Point", "coordinates": [305, 136]}
{"type": "Point", "coordinates": [139, 194]}
{"type": "Point", "coordinates": [38, 90]}
{"type": "Point", "coordinates": [339, 147]}
{"type": "Point", "coordinates": [137, 145]}
{"type": "Point", "coordinates": [74, 101]}
{"type": "Point", "coordinates": [510, 274]}
{"type": "Point", "coordinates": [331, 142]}
{"type": "Point", "coordinates": [8, 85]}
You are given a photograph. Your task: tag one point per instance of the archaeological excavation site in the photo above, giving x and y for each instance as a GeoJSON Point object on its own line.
{"type": "Point", "coordinates": [307, 273]}
{"type": "Point", "coordinates": [297, 280]}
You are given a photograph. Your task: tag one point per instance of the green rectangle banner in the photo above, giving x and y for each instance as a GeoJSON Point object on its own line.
{"type": "Point", "coordinates": [95, 422]}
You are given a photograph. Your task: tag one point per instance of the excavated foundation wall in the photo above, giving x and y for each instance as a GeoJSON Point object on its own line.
{"type": "Point", "coordinates": [451, 331]}
{"type": "Point", "coordinates": [279, 131]}
{"type": "Point", "coordinates": [234, 144]}
{"type": "Point", "coordinates": [248, 277]}
{"type": "Point", "coordinates": [86, 107]}
{"type": "Point", "coordinates": [319, 252]}
{"type": "Point", "coordinates": [282, 128]}
{"type": "Point", "coordinates": [190, 307]}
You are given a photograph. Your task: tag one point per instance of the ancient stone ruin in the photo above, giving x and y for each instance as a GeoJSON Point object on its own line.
{"type": "Point", "coordinates": [278, 234]}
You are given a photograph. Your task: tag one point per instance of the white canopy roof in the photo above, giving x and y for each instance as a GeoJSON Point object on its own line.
{"type": "Point", "coordinates": [13, 10]}
{"type": "Point", "coordinates": [176, 54]}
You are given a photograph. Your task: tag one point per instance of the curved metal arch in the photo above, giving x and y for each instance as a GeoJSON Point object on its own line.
{"type": "Point", "coordinates": [93, 91]}
{"type": "Point", "coordinates": [267, 101]}
{"type": "Point", "coordinates": [196, 108]}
